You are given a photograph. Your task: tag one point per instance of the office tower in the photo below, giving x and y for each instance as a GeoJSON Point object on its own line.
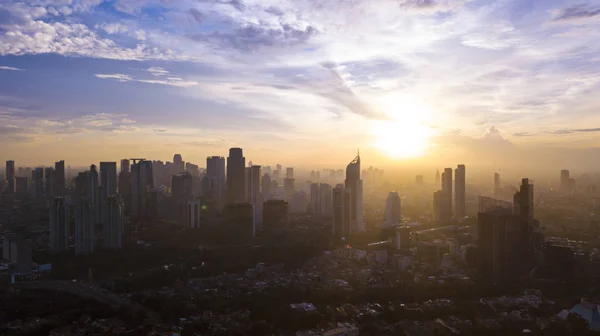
{"type": "Point", "coordinates": [496, 184]}
{"type": "Point", "coordinates": [193, 169]}
{"type": "Point", "coordinates": [289, 173]}
{"type": "Point", "coordinates": [236, 178]}
{"type": "Point", "coordinates": [326, 200]}
{"type": "Point", "coordinates": [267, 170]}
{"type": "Point", "coordinates": [289, 189]}
{"type": "Point", "coordinates": [315, 199]}
{"type": "Point", "coordinates": [59, 225]}
{"type": "Point", "coordinates": [10, 177]}
{"type": "Point", "coordinates": [459, 192]}
{"type": "Point", "coordinates": [355, 185]}
{"type": "Point", "coordinates": [275, 215]}
{"type": "Point", "coordinates": [266, 185]}
{"type": "Point", "coordinates": [181, 194]}
{"type": "Point", "coordinates": [393, 210]}
{"type": "Point", "coordinates": [37, 180]}
{"type": "Point", "coordinates": [49, 182]}
{"type": "Point", "coordinates": [508, 238]}
{"type": "Point", "coordinates": [142, 182]}
{"type": "Point", "coordinates": [523, 200]}
{"type": "Point", "coordinates": [193, 214]}
{"type": "Point", "coordinates": [59, 178]}
{"type": "Point", "coordinates": [84, 227]}
{"type": "Point", "coordinates": [342, 211]}
{"type": "Point", "coordinates": [277, 173]}
{"type": "Point", "coordinates": [441, 213]}
{"type": "Point", "coordinates": [215, 173]}
{"type": "Point", "coordinates": [93, 193]}
{"type": "Point", "coordinates": [402, 237]}
{"type": "Point", "coordinates": [125, 167]}
{"type": "Point", "coordinates": [487, 204]}
{"type": "Point", "coordinates": [447, 188]}
{"type": "Point", "coordinates": [253, 191]}
{"type": "Point", "coordinates": [19, 252]}
{"type": "Point", "coordinates": [22, 185]}
{"type": "Point", "coordinates": [114, 226]}
{"type": "Point", "coordinates": [178, 164]}
{"type": "Point", "coordinates": [419, 180]}
{"type": "Point", "coordinates": [241, 220]}
{"type": "Point", "coordinates": [108, 177]}
{"type": "Point", "coordinates": [437, 177]}
{"type": "Point", "coordinates": [564, 180]}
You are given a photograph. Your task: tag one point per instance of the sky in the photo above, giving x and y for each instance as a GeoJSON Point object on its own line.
{"type": "Point", "coordinates": [505, 82]}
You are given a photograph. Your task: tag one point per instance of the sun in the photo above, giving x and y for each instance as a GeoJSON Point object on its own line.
{"type": "Point", "coordinates": [405, 135]}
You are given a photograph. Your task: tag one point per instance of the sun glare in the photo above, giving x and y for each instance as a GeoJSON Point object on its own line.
{"type": "Point", "coordinates": [406, 135]}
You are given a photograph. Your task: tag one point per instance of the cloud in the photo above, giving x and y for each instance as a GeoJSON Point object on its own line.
{"type": "Point", "coordinates": [154, 71]}
{"type": "Point", "coordinates": [578, 13]}
{"type": "Point", "coordinates": [4, 67]}
{"type": "Point", "coordinates": [113, 28]}
{"type": "Point", "coordinates": [523, 134]}
{"type": "Point", "coordinates": [196, 15]}
{"type": "Point", "coordinates": [571, 131]}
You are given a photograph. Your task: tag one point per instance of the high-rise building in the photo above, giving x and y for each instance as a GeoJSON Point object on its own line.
{"type": "Point", "coordinates": [315, 199]}
{"type": "Point", "coordinates": [496, 184]}
{"type": "Point", "coordinates": [178, 164]}
{"type": "Point", "coordinates": [567, 184]}
{"type": "Point", "coordinates": [59, 178]}
{"type": "Point", "coordinates": [253, 192]}
{"type": "Point", "coordinates": [508, 238]}
{"type": "Point", "coordinates": [93, 193]}
{"type": "Point", "coordinates": [181, 194]}
{"type": "Point", "coordinates": [22, 185]}
{"type": "Point", "coordinates": [459, 192]}
{"type": "Point", "coordinates": [84, 227]}
{"type": "Point", "coordinates": [289, 189]}
{"type": "Point", "coordinates": [59, 225]}
{"type": "Point", "coordinates": [342, 211]}
{"type": "Point", "coordinates": [441, 212]}
{"type": "Point", "coordinates": [289, 173]}
{"type": "Point", "coordinates": [241, 219]}
{"type": "Point", "coordinates": [193, 214]}
{"type": "Point", "coordinates": [215, 172]}
{"type": "Point", "coordinates": [393, 210]}
{"type": "Point", "coordinates": [354, 183]}
{"type": "Point", "coordinates": [437, 177]}
{"type": "Point", "coordinates": [125, 167]}
{"type": "Point", "coordinates": [266, 185]}
{"type": "Point", "coordinates": [236, 178]}
{"type": "Point", "coordinates": [37, 181]}
{"type": "Point", "coordinates": [275, 215]}
{"type": "Point", "coordinates": [325, 198]}
{"type": "Point", "coordinates": [49, 182]}
{"type": "Point", "coordinates": [10, 177]}
{"type": "Point", "coordinates": [419, 179]}
{"type": "Point", "coordinates": [447, 189]}
{"type": "Point", "coordinates": [114, 226]}
{"type": "Point", "coordinates": [108, 177]}
{"type": "Point", "coordinates": [142, 182]}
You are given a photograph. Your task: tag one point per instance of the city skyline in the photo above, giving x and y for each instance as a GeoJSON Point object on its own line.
{"type": "Point", "coordinates": [468, 79]}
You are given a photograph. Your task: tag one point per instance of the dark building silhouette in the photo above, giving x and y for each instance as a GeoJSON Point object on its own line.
{"type": "Point", "coordinates": [37, 181]}
{"type": "Point", "coordinates": [447, 189]}
{"type": "Point", "coordinates": [496, 184]}
{"type": "Point", "coordinates": [215, 180]}
{"type": "Point", "coordinates": [59, 178]}
{"type": "Point", "coordinates": [10, 177]}
{"type": "Point", "coordinates": [266, 187]}
{"type": "Point", "coordinates": [236, 178]}
{"type": "Point", "coordinates": [240, 219]}
{"type": "Point", "coordinates": [508, 238]}
{"type": "Point", "coordinates": [275, 215]}
{"type": "Point", "coordinates": [49, 182]}
{"type": "Point", "coordinates": [59, 225]}
{"type": "Point", "coordinates": [567, 184]}
{"type": "Point", "coordinates": [181, 194]}
{"type": "Point", "coordinates": [459, 192]}
{"type": "Point", "coordinates": [354, 183]}
{"type": "Point", "coordinates": [125, 185]}
{"type": "Point", "coordinates": [342, 202]}
{"type": "Point", "coordinates": [22, 185]}
{"type": "Point", "coordinates": [142, 183]}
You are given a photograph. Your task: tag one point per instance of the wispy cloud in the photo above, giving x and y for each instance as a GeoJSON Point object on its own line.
{"type": "Point", "coordinates": [4, 67]}
{"type": "Point", "coordinates": [157, 72]}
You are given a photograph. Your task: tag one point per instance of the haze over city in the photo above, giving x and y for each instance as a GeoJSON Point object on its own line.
{"type": "Point", "coordinates": [408, 82]}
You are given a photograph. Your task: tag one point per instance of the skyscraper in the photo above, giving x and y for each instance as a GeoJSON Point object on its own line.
{"type": "Point", "coordinates": [289, 189]}
{"type": "Point", "coordinates": [326, 200]}
{"type": "Point", "coordinates": [315, 199]}
{"type": "Point", "coordinates": [193, 214]}
{"type": "Point", "coordinates": [59, 225]}
{"type": "Point", "coordinates": [181, 194]}
{"type": "Point", "coordinates": [564, 179]}
{"type": "Point", "coordinates": [354, 183]}
{"type": "Point", "coordinates": [437, 177]}
{"type": "Point", "coordinates": [253, 192]}
{"type": "Point", "coordinates": [393, 209]}
{"type": "Point", "coordinates": [10, 177]}
{"type": "Point", "coordinates": [114, 226]}
{"type": "Point", "coordinates": [84, 227]}
{"type": "Point", "coordinates": [215, 172]}
{"type": "Point", "coordinates": [142, 182]}
{"type": "Point", "coordinates": [441, 213]}
{"type": "Point", "coordinates": [108, 177]}
{"type": "Point", "coordinates": [59, 178]}
{"type": "Point", "coordinates": [125, 167]}
{"type": "Point", "coordinates": [93, 193]}
{"type": "Point", "coordinates": [236, 181]}
{"type": "Point", "coordinates": [125, 185]}
{"type": "Point", "coordinates": [275, 215]}
{"type": "Point", "coordinates": [342, 211]}
{"type": "Point", "coordinates": [178, 164]}
{"type": "Point", "coordinates": [496, 184]}
{"type": "Point", "coordinates": [447, 189]}
{"type": "Point", "coordinates": [37, 180]}
{"type": "Point", "coordinates": [459, 192]}
{"type": "Point", "coordinates": [49, 182]}
{"type": "Point", "coordinates": [266, 185]}
{"type": "Point", "coordinates": [289, 172]}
